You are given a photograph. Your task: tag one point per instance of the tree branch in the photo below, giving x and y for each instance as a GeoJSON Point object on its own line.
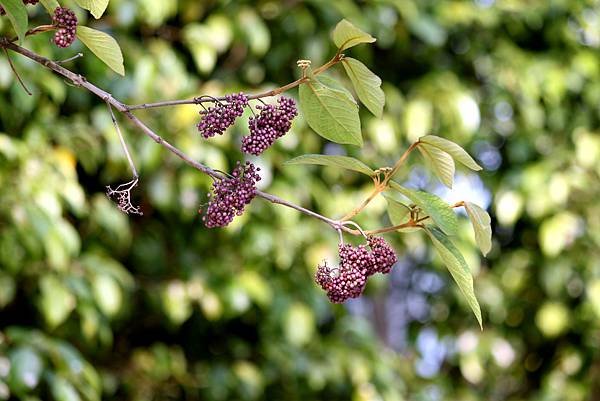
{"type": "Point", "coordinates": [80, 81]}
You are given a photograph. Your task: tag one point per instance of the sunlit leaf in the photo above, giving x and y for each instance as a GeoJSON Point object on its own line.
{"type": "Point", "coordinates": [366, 84]}
{"type": "Point", "coordinates": [25, 369]}
{"type": "Point", "coordinates": [345, 162]}
{"type": "Point", "coordinates": [61, 389]}
{"type": "Point", "coordinates": [453, 149]}
{"type": "Point", "coordinates": [96, 7]}
{"type": "Point", "coordinates": [346, 35]}
{"type": "Point", "coordinates": [17, 14]}
{"type": "Point", "coordinates": [104, 46]}
{"type": "Point", "coordinates": [457, 266]}
{"type": "Point", "coordinates": [330, 113]}
{"type": "Point", "coordinates": [440, 162]}
{"type": "Point", "coordinates": [433, 206]}
{"type": "Point", "coordinates": [481, 222]}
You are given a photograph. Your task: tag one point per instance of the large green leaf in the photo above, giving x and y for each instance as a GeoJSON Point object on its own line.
{"type": "Point", "coordinates": [345, 162]}
{"type": "Point", "coordinates": [17, 14]}
{"type": "Point", "coordinates": [50, 5]}
{"type": "Point", "coordinates": [346, 35]}
{"type": "Point", "coordinates": [25, 369]}
{"type": "Point", "coordinates": [96, 7]}
{"type": "Point", "coordinates": [481, 222]}
{"type": "Point", "coordinates": [330, 113]}
{"type": "Point", "coordinates": [366, 84]}
{"type": "Point", "coordinates": [457, 266]}
{"type": "Point", "coordinates": [439, 211]}
{"type": "Point", "coordinates": [440, 162]}
{"type": "Point", "coordinates": [61, 389]}
{"type": "Point", "coordinates": [333, 83]}
{"type": "Point", "coordinates": [453, 149]}
{"type": "Point", "coordinates": [104, 46]}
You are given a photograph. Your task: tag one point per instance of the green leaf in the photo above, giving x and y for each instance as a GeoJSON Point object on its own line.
{"type": "Point", "coordinates": [17, 14]}
{"type": "Point", "coordinates": [345, 162]}
{"type": "Point", "coordinates": [457, 266]}
{"type": "Point", "coordinates": [440, 162]}
{"type": "Point", "coordinates": [398, 212]}
{"type": "Point", "coordinates": [453, 149]}
{"type": "Point", "coordinates": [104, 46]}
{"type": "Point", "coordinates": [50, 5]}
{"type": "Point", "coordinates": [346, 35]}
{"type": "Point", "coordinates": [335, 84]}
{"type": "Point", "coordinates": [96, 7]}
{"type": "Point", "coordinates": [61, 389]}
{"type": "Point", "coordinates": [439, 211]}
{"type": "Point", "coordinates": [366, 84]}
{"type": "Point", "coordinates": [25, 369]}
{"type": "Point", "coordinates": [481, 222]}
{"type": "Point", "coordinates": [330, 113]}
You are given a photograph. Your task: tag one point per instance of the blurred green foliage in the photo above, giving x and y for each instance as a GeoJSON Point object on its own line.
{"type": "Point", "coordinates": [98, 305]}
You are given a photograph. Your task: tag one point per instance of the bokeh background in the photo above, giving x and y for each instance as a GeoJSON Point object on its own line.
{"type": "Point", "coordinates": [95, 304]}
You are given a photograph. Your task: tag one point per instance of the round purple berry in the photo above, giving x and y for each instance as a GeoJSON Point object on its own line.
{"type": "Point", "coordinates": [222, 115]}
{"type": "Point", "coordinates": [66, 22]}
{"type": "Point", "coordinates": [273, 122]}
{"type": "Point", "coordinates": [350, 278]}
{"type": "Point", "coordinates": [383, 255]}
{"type": "Point", "coordinates": [231, 195]}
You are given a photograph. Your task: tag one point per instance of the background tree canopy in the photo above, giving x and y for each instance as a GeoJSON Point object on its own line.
{"type": "Point", "coordinates": [95, 304]}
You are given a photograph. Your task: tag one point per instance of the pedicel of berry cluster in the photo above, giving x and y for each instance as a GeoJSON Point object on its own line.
{"type": "Point", "coordinates": [231, 195]}
{"type": "Point", "coordinates": [26, 2]}
{"type": "Point", "coordinates": [222, 115]}
{"type": "Point", "coordinates": [273, 122]}
{"type": "Point", "coordinates": [356, 265]}
{"type": "Point", "coordinates": [66, 22]}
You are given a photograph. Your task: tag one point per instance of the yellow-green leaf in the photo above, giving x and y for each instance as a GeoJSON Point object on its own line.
{"type": "Point", "coordinates": [345, 162]}
{"type": "Point", "coordinates": [398, 212]}
{"type": "Point", "coordinates": [17, 14]}
{"type": "Point", "coordinates": [481, 222]}
{"type": "Point", "coordinates": [439, 211]}
{"type": "Point", "coordinates": [440, 162]}
{"type": "Point", "coordinates": [50, 5]}
{"type": "Point", "coordinates": [453, 149]}
{"type": "Point", "coordinates": [331, 113]}
{"type": "Point", "coordinates": [366, 84]}
{"type": "Point", "coordinates": [346, 35]}
{"type": "Point", "coordinates": [104, 46]}
{"type": "Point", "coordinates": [458, 268]}
{"type": "Point", "coordinates": [96, 7]}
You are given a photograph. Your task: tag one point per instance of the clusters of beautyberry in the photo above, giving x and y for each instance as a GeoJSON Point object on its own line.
{"type": "Point", "coordinates": [30, 2]}
{"type": "Point", "coordinates": [66, 22]}
{"type": "Point", "coordinates": [230, 195]}
{"type": "Point", "coordinates": [356, 265]}
{"type": "Point", "coordinates": [273, 122]}
{"type": "Point", "coordinates": [222, 115]}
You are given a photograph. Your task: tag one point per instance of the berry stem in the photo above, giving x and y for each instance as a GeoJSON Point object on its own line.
{"type": "Point", "coordinates": [274, 92]}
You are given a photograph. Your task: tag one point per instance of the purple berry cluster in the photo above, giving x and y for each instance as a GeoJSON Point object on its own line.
{"type": "Point", "coordinates": [231, 195]}
{"type": "Point", "coordinates": [221, 116]}
{"type": "Point", "coordinates": [273, 122]}
{"type": "Point", "coordinates": [356, 265]}
{"type": "Point", "coordinates": [66, 22]}
{"type": "Point", "coordinates": [30, 2]}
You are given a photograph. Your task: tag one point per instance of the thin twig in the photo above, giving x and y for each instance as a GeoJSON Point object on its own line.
{"type": "Point", "coordinates": [70, 58]}
{"type": "Point", "coordinates": [12, 66]}
{"type": "Point", "coordinates": [274, 92]}
{"type": "Point", "coordinates": [122, 140]}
